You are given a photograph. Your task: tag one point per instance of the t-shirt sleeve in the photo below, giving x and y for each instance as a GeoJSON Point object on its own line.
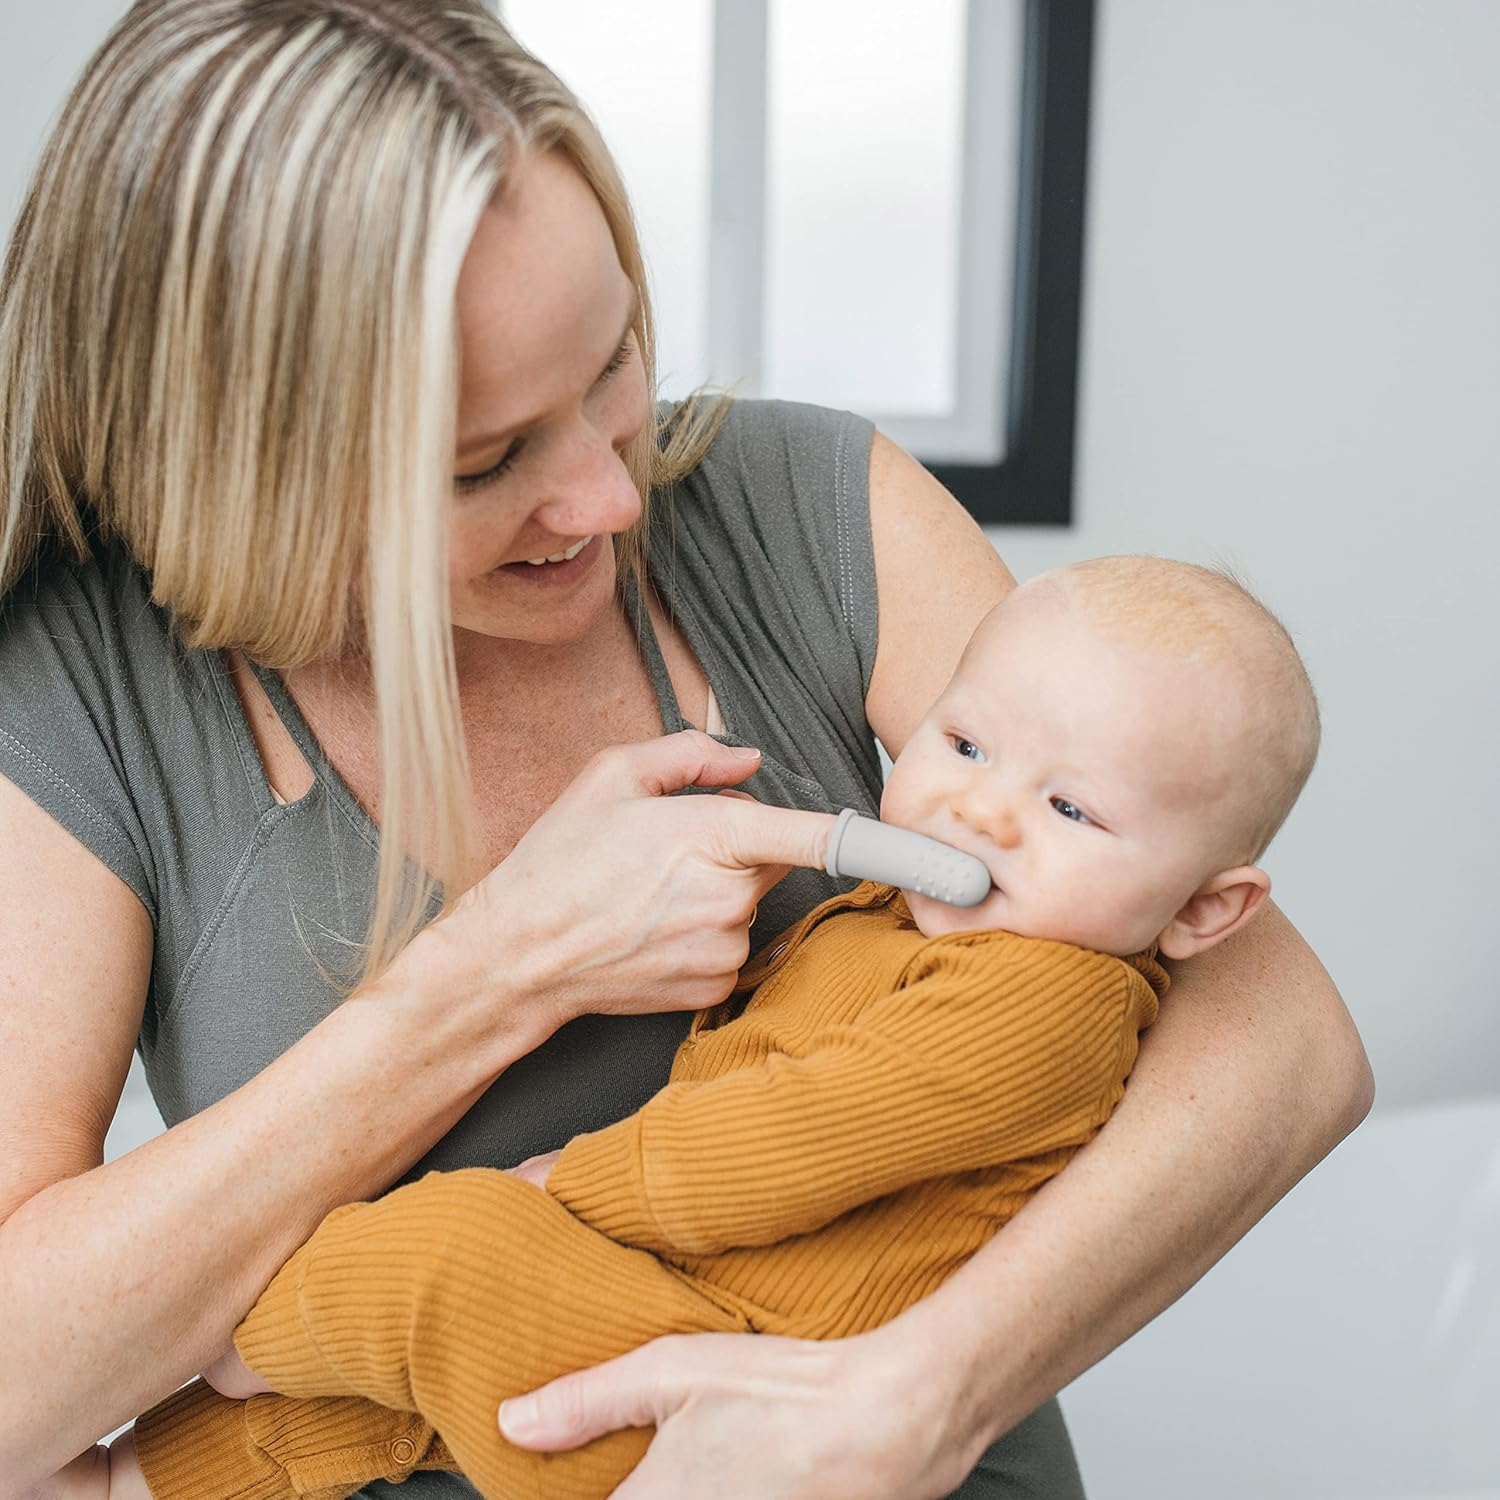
{"type": "Point", "coordinates": [70, 724]}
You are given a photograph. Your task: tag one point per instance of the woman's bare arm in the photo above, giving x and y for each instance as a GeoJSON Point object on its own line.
{"type": "Point", "coordinates": [119, 1282]}
{"type": "Point", "coordinates": [1252, 1073]}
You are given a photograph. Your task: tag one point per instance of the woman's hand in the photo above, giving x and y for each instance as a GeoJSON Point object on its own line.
{"type": "Point", "coordinates": [764, 1418]}
{"type": "Point", "coordinates": [621, 898]}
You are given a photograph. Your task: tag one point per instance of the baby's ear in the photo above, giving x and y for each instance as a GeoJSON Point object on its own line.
{"type": "Point", "coordinates": [1222, 905]}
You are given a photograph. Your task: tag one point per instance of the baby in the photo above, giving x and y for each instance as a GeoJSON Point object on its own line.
{"type": "Point", "coordinates": [1119, 743]}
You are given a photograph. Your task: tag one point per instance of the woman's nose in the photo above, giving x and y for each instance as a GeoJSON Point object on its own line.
{"type": "Point", "coordinates": [592, 492]}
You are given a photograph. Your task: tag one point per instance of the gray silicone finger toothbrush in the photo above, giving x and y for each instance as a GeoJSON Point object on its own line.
{"type": "Point", "coordinates": [865, 849]}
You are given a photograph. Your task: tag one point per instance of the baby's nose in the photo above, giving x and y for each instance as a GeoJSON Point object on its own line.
{"type": "Point", "coordinates": [994, 817]}
{"type": "Point", "coordinates": [1004, 828]}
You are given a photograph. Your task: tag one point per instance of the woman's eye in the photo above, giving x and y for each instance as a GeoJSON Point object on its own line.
{"type": "Point", "coordinates": [1070, 810]}
{"type": "Point", "coordinates": [465, 483]}
{"type": "Point", "coordinates": [618, 360]}
{"type": "Point", "coordinates": [967, 748]}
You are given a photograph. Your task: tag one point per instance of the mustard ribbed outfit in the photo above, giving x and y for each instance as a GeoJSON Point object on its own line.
{"type": "Point", "coordinates": [816, 1165]}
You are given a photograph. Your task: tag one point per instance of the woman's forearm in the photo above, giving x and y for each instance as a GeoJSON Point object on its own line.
{"type": "Point", "coordinates": [119, 1284]}
{"type": "Point", "coordinates": [1252, 1074]}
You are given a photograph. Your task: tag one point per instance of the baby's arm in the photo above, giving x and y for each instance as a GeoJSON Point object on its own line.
{"type": "Point", "coordinates": [991, 1051]}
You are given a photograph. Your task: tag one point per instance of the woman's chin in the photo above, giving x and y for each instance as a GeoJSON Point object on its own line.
{"type": "Point", "coordinates": [509, 605]}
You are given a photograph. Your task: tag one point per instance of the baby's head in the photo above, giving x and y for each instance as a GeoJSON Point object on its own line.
{"type": "Point", "coordinates": [1118, 744]}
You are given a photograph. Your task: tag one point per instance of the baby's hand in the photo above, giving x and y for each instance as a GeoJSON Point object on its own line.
{"type": "Point", "coordinates": [230, 1376]}
{"type": "Point", "coordinates": [535, 1169]}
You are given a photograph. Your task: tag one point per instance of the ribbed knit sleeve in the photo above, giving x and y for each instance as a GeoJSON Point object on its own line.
{"type": "Point", "coordinates": [989, 1051]}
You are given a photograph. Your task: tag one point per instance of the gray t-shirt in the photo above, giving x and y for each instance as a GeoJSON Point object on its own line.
{"type": "Point", "coordinates": [139, 747]}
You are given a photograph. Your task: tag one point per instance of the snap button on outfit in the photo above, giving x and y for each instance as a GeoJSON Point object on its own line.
{"type": "Point", "coordinates": [403, 1450]}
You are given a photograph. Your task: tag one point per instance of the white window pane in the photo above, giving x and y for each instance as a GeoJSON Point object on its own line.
{"type": "Point", "coordinates": [974, 431]}
{"type": "Point", "coordinates": [643, 72]}
{"type": "Point", "coordinates": [863, 195]}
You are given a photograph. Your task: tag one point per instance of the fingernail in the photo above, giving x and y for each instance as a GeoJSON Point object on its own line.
{"type": "Point", "coordinates": [518, 1416]}
{"type": "Point", "coordinates": [743, 752]}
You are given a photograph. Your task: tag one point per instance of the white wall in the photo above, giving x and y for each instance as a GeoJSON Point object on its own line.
{"type": "Point", "coordinates": [42, 50]}
{"type": "Point", "coordinates": [1347, 1349]}
{"type": "Point", "coordinates": [1292, 361]}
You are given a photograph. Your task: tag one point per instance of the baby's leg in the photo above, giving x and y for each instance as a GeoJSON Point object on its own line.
{"type": "Point", "coordinates": [454, 1292]}
{"type": "Point", "coordinates": [126, 1481]}
{"type": "Point", "coordinates": [100, 1474]}
{"type": "Point", "coordinates": [85, 1478]}
{"type": "Point", "coordinates": [199, 1445]}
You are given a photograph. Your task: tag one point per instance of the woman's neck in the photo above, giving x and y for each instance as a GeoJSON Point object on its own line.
{"type": "Point", "coordinates": [490, 668]}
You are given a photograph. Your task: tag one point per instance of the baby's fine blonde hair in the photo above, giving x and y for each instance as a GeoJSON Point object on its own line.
{"type": "Point", "coordinates": [1208, 615]}
{"type": "Point", "coordinates": [227, 339]}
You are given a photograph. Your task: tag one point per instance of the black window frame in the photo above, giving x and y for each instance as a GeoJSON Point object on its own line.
{"type": "Point", "coordinates": [1033, 484]}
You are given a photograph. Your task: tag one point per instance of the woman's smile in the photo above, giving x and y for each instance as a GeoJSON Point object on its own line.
{"type": "Point", "coordinates": [559, 569]}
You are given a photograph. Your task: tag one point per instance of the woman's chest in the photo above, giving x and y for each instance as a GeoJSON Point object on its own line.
{"type": "Point", "coordinates": [529, 727]}
{"type": "Point", "coordinates": [523, 757]}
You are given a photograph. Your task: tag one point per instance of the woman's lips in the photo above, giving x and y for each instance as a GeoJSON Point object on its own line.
{"type": "Point", "coordinates": [554, 574]}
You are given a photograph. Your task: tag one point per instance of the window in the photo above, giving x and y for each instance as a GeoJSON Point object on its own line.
{"type": "Point", "coordinates": [863, 203]}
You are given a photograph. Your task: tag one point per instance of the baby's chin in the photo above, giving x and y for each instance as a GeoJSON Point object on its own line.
{"type": "Point", "coordinates": [936, 919]}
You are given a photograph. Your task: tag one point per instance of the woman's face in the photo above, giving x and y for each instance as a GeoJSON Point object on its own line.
{"type": "Point", "coordinates": [551, 391]}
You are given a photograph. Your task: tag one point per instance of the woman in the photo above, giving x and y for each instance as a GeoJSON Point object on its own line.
{"type": "Point", "coordinates": [274, 541]}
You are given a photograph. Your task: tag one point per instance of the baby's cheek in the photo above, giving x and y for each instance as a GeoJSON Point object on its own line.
{"type": "Point", "coordinates": [893, 800]}
{"type": "Point", "coordinates": [1118, 918]}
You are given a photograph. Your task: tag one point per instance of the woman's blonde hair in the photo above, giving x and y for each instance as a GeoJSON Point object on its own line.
{"type": "Point", "coordinates": [227, 338]}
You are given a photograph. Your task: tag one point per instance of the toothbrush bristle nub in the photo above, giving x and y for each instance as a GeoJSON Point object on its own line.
{"type": "Point", "coordinates": [863, 848]}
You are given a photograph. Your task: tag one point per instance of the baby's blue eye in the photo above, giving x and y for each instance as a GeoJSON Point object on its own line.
{"type": "Point", "coordinates": [967, 748]}
{"type": "Point", "coordinates": [1070, 810]}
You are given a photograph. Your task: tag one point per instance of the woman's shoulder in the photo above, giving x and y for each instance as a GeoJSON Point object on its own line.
{"type": "Point", "coordinates": [774, 525]}
{"type": "Point", "coordinates": [794, 443]}
{"type": "Point", "coordinates": [86, 632]}
{"type": "Point", "coordinates": [91, 684]}
{"type": "Point", "coordinates": [771, 414]}
{"type": "Point", "coordinates": [786, 485]}
{"type": "Point", "coordinates": [59, 599]}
